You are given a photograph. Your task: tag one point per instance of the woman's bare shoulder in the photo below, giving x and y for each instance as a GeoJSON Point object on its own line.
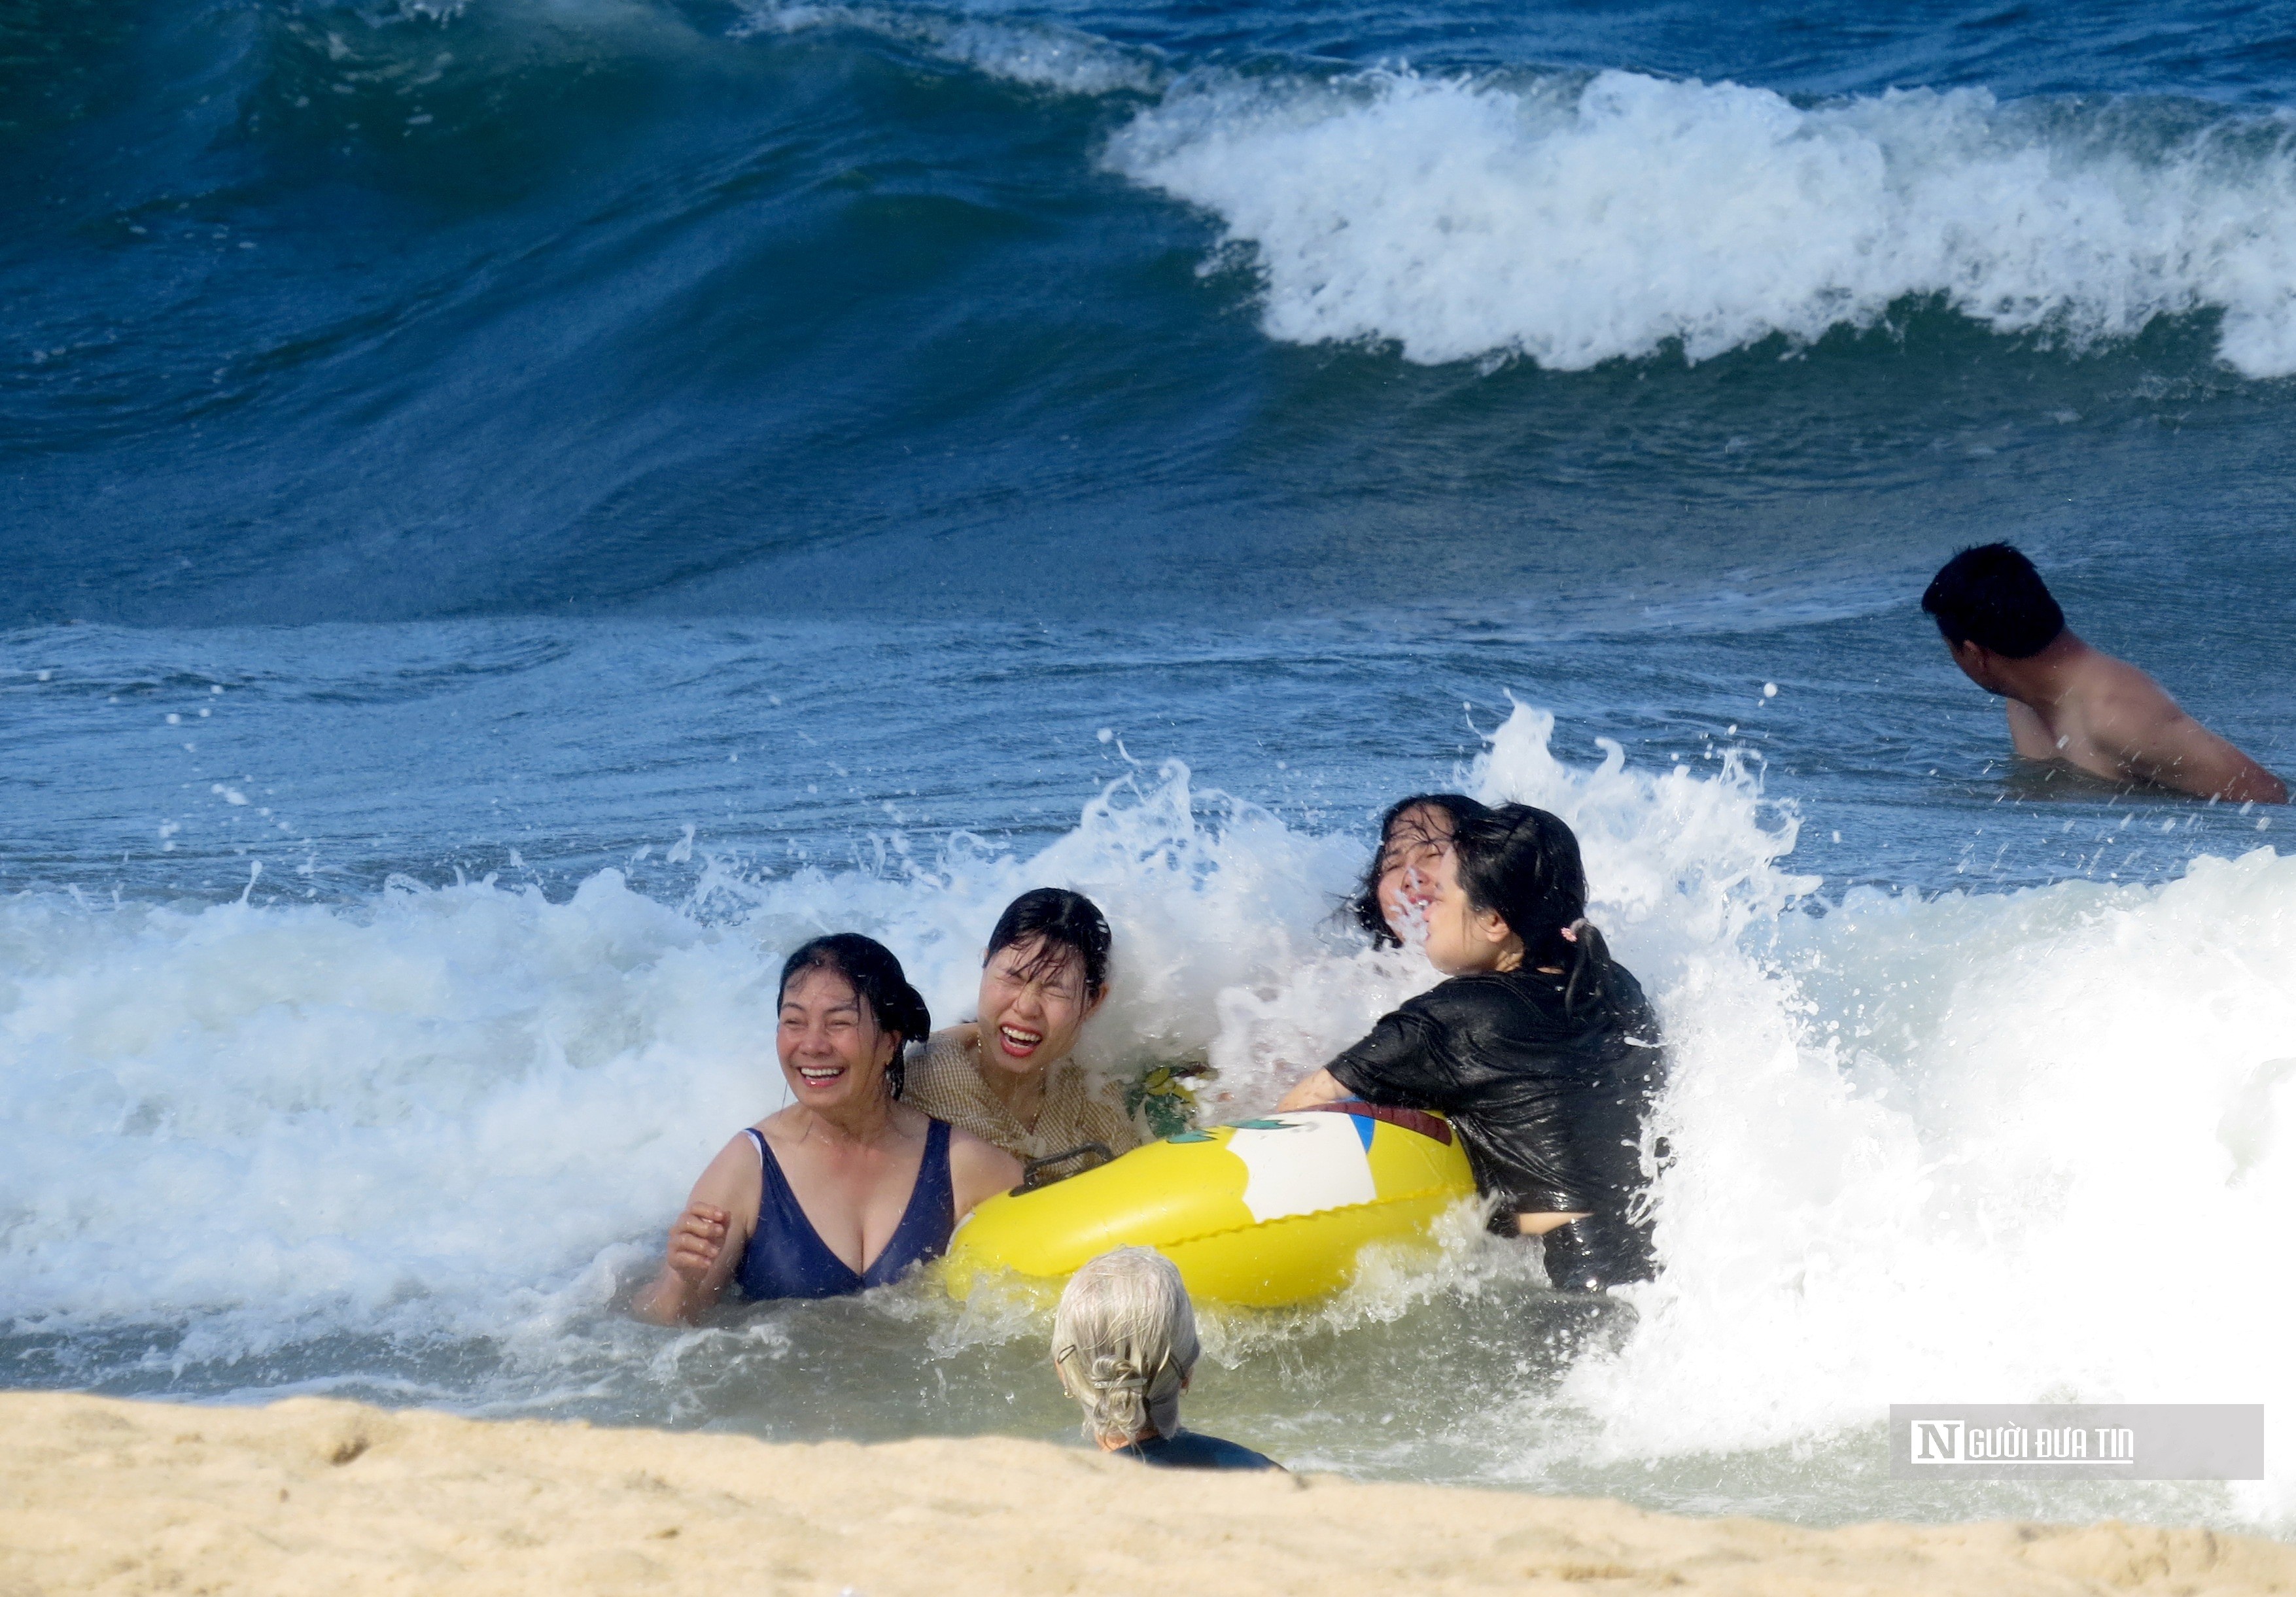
{"type": "Point", "coordinates": [733, 1175]}
{"type": "Point", "coordinates": [785, 1128]}
{"type": "Point", "coordinates": [969, 1152]}
{"type": "Point", "coordinates": [960, 1139]}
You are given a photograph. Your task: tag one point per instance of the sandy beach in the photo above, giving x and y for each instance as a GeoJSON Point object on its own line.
{"type": "Point", "coordinates": [310, 1495]}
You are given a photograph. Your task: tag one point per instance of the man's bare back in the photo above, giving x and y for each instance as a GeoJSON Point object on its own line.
{"type": "Point", "coordinates": [2080, 707]}
{"type": "Point", "coordinates": [2072, 705]}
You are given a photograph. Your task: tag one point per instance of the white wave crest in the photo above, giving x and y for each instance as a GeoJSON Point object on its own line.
{"type": "Point", "coordinates": [1041, 55]}
{"type": "Point", "coordinates": [1574, 221]}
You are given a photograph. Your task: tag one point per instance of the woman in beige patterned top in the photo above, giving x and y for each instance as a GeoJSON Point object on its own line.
{"type": "Point", "coordinates": [1007, 1077]}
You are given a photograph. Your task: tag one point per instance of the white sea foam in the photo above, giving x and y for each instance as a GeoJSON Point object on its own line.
{"type": "Point", "coordinates": [288, 1118]}
{"type": "Point", "coordinates": [1575, 220]}
{"type": "Point", "coordinates": [276, 1120]}
{"type": "Point", "coordinates": [2005, 1147]}
{"type": "Point", "coordinates": [1982, 1147]}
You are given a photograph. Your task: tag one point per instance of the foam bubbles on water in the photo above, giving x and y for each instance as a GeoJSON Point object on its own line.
{"type": "Point", "coordinates": [1979, 1148]}
{"type": "Point", "coordinates": [1574, 220]}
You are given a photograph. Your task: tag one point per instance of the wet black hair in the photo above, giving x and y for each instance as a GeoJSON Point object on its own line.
{"type": "Point", "coordinates": [1522, 864]}
{"type": "Point", "coordinates": [1364, 906]}
{"type": "Point", "coordinates": [1991, 595]}
{"type": "Point", "coordinates": [869, 967]}
{"type": "Point", "coordinates": [1060, 922]}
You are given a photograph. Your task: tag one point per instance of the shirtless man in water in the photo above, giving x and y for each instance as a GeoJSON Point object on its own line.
{"type": "Point", "coordinates": [2069, 703]}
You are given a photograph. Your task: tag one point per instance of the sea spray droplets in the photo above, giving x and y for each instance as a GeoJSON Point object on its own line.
{"type": "Point", "coordinates": [1575, 220]}
{"type": "Point", "coordinates": [388, 1118]}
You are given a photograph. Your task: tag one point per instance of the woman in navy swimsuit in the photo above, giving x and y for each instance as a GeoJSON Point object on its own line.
{"type": "Point", "coordinates": [846, 1188]}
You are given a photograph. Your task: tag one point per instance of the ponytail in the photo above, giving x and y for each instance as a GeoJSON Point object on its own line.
{"type": "Point", "coordinates": [1590, 957]}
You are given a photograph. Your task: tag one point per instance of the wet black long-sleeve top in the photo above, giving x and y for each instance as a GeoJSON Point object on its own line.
{"type": "Point", "coordinates": [1549, 1102]}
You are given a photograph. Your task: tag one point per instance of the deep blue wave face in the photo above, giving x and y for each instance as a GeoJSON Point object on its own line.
{"type": "Point", "coordinates": [1622, 356]}
{"type": "Point", "coordinates": [332, 314]}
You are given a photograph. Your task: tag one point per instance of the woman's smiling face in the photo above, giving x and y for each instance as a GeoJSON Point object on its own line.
{"type": "Point", "coordinates": [1415, 866]}
{"type": "Point", "coordinates": [1424, 904]}
{"type": "Point", "coordinates": [833, 1054]}
{"type": "Point", "coordinates": [1033, 1005]}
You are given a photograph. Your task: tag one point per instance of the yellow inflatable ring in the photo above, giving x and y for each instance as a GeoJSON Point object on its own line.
{"type": "Point", "coordinates": [1262, 1212]}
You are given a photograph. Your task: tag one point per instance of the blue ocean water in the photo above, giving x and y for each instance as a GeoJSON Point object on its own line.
{"type": "Point", "coordinates": [516, 510]}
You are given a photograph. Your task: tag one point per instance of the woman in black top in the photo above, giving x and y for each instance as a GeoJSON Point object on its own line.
{"type": "Point", "coordinates": [1540, 1047]}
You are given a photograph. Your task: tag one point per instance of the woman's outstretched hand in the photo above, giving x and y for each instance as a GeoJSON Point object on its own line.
{"type": "Point", "coordinates": [706, 1240]}
{"type": "Point", "coordinates": [690, 1276]}
{"type": "Point", "coordinates": [696, 1240]}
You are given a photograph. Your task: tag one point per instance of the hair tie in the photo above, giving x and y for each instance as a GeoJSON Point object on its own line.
{"type": "Point", "coordinates": [1115, 1374]}
{"type": "Point", "coordinates": [1589, 948]}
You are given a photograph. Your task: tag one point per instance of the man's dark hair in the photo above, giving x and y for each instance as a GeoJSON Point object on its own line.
{"type": "Point", "coordinates": [1992, 596]}
{"type": "Point", "coordinates": [876, 977]}
{"type": "Point", "coordinates": [1059, 923]}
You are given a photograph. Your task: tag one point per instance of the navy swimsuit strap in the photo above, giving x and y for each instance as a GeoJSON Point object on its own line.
{"type": "Point", "coordinates": [787, 1258]}
{"type": "Point", "coordinates": [927, 1223]}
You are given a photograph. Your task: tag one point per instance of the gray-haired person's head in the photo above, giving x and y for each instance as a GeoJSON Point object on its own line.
{"type": "Point", "coordinates": [1124, 1340]}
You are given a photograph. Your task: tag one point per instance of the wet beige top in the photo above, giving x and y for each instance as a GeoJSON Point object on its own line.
{"type": "Point", "coordinates": [944, 1081]}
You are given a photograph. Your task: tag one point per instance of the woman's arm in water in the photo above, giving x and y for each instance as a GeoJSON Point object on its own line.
{"type": "Point", "coordinates": [978, 1170]}
{"type": "Point", "coordinates": [707, 1241]}
{"type": "Point", "coordinates": [1530, 1224]}
{"type": "Point", "coordinates": [1389, 1064]}
{"type": "Point", "coordinates": [1321, 1087]}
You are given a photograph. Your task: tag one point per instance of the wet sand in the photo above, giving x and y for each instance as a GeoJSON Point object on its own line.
{"type": "Point", "coordinates": [313, 1496]}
